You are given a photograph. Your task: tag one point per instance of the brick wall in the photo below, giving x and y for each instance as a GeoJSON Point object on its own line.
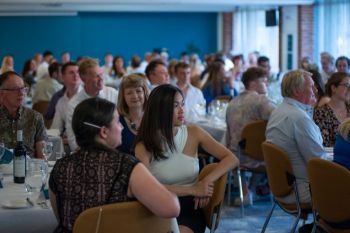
{"type": "Point", "coordinates": [305, 31]}
{"type": "Point", "coordinates": [227, 25]}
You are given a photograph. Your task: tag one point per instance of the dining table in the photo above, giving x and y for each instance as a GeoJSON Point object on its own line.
{"type": "Point", "coordinates": [24, 211]}
{"type": "Point", "coordinates": [214, 125]}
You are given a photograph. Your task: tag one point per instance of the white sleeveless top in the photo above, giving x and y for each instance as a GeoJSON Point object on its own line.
{"type": "Point", "coordinates": [178, 168]}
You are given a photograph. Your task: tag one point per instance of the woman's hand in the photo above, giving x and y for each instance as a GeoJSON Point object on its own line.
{"type": "Point", "coordinates": [200, 202]}
{"type": "Point", "coordinates": [203, 188]}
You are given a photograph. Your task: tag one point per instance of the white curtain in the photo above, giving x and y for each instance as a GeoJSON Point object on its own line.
{"type": "Point", "coordinates": [333, 27]}
{"type": "Point", "coordinates": [251, 34]}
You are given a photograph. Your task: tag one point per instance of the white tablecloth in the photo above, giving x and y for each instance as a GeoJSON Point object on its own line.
{"type": "Point", "coordinates": [28, 220]}
{"type": "Point", "coordinates": [215, 127]}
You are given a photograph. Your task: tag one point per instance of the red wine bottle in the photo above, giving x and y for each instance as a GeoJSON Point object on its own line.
{"type": "Point", "coordinates": [19, 160]}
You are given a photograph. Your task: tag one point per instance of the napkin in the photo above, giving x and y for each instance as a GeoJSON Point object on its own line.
{"type": "Point", "coordinates": [6, 155]}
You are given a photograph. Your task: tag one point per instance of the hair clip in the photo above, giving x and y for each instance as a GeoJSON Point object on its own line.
{"type": "Point", "coordinates": [93, 125]}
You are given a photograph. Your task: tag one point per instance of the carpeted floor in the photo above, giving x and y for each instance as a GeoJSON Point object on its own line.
{"type": "Point", "coordinates": [252, 222]}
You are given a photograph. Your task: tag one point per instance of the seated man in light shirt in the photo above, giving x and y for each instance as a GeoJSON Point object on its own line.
{"type": "Point", "coordinates": [291, 127]}
{"type": "Point", "coordinates": [193, 96]}
{"type": "Point", "coordinates": [14, 116]}
{"type": "Point", "coordinates": [71, 81]}
{"type": "Point", "coordinates": [251, 105]}
{"type": "Point", "coordinates": [92, 76]}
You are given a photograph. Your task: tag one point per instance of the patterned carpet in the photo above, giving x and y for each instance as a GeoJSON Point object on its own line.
{"type": "Point", "coordinates": [231, 221]}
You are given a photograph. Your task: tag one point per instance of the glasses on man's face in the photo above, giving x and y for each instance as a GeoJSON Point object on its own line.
{"type": "Point", "coordinates": [23, 90]}
{"type": "Point", "coordinates": [347, 85]}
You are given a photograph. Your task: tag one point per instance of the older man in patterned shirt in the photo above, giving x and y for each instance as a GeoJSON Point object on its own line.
{"type": "Point", "coordinates": [251, 105]}
{"type": "Point", "coordinates": [13, 116]}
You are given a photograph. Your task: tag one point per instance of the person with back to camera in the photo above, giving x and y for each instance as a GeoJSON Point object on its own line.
{"type": "Point", "coordinates": [170, 150]}
{"type": "Point", "coordinates": [97, 174]}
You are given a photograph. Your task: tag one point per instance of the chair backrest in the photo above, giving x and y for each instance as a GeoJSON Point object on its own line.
{"type": "Point", "coordinates": [128, 217]}
{"type": "Point", "coordinates": [216, 201]}
{"type": "Point", "coordinates": [252, 136]}
{"type": "Point", "coordinates": [330, 190]}
{"type": "Point", "coordinates": [41, 107]}
{"type": "Point", "coordinates": [279, 170]}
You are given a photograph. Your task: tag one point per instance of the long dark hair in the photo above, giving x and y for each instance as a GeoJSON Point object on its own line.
{"type": "Point", "coordinates": [156, 129]}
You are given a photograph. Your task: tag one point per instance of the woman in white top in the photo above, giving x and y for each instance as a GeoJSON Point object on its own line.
{"type": "Point", "coordinates": [169, 149]}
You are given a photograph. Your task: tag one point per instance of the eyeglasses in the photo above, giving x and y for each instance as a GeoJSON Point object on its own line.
{"type": "Point", "coordinates": [23, 90]}
{"type": "Point", "coordinates": [347, 85]}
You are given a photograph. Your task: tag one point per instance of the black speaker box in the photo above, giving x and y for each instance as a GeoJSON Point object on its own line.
{"type": "Point", "coordinates": [271, 17]}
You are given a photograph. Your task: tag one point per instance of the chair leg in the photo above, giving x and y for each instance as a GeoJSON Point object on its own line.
{"type": "Point", "coordinates": [240, 190]}
{"type": "Point", "coordinates": [229, 183]}
{"type": "Point", "coordinates": [296, 223]}
{"type": "Point", "coordinates": [213, 223]}
{"type": "Point", "coordinates": [314, 227]}
{"type": "Point", "coordinates": [268, 217]}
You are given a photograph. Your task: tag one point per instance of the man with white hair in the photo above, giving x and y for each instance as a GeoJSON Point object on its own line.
{"type": "Point", "coordinates": [291, 127]}
{"type": "Point", "coordinates": [327, 64]}
{"type": "Point", "coordinates": [92, 76]}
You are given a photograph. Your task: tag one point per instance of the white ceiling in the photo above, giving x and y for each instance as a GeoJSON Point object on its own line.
{"type": "Point", "coordinates": [22, 6]}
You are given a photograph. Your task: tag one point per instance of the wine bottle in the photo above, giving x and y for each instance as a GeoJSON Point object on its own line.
{"type": "Point", "coordinates": [19, 160]}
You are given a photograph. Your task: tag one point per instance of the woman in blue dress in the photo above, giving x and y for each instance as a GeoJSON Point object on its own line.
{"type": "Point", "coordinates": [132, 99]}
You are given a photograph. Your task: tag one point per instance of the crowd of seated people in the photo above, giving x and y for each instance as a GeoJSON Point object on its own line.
{"type": "Point", "coordinates": [300, 116]}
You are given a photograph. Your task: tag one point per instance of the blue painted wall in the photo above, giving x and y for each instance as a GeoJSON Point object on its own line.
{"type": "Point", "coordinates": [94, 34]}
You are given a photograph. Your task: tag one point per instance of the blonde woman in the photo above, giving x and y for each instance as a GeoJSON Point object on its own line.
{"type": "Point", "coordinates": [132, 99]}
{"type": "Point", "coordinates": [7, 64]}
{"type": "Point", "coordinates": [342, 144]}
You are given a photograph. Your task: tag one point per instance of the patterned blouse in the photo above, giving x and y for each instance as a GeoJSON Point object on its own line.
{"type": "Point", "coordinates": [30, 121]}
{"type": "Point", "coordinates": [328, 123]}
{"type": "Point", "coordinates": [90, 177]}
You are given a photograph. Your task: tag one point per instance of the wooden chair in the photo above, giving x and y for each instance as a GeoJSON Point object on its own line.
{"type": "Point", "coordinates": [330, 193]}
{"type": "Point", "coordinates": [252, 136]}
{"type": "Point", "coordinates": [282, 183]}
{"type": "Point", "coordinates": [41, 107]}
{"type": "Point", "coordinates": [224, 98]}
{"type": "Point", "coordinates": [127, 217]}
{"type": "Point", "coordinates": [212, 211]}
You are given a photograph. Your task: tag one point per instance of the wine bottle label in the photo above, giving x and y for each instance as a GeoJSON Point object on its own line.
{"type": "Point", "coordinates": [19, 167]}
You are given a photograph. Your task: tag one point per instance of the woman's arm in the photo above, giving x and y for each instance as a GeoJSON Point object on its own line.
{"type": "Point", "coordinates": [146, 189]}
{"type": "Point", "coordinates": [200, 189]}
{"type": "Point", "coordinates": [53, 203]}
{"type": "Point", "coordinates": [228, 160]}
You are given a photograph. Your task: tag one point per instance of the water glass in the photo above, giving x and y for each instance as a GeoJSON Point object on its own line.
{"type": "Point", "coordinates": [47, 150]}
{"type": "Point", "coordinates": [36, 175]}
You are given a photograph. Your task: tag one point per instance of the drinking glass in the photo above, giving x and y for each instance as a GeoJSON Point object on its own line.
{"type": "Point", "coordinates": [2, 149]}
{"type": "Point", "coordinates": [47, 150]}
{"type": "Point", "coordinates": [36, 175]}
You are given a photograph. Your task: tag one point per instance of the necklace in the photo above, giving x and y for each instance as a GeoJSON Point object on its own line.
{"type": "Point", "coordinates": [132, 125]}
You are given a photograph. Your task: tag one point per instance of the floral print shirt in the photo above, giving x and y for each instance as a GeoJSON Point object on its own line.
{"type": "Point", "coordinates": [328, 123]}
{"type": "Point", "coordinates": [249, 106]}
{"type": "Point", "coordinates": [30, 121]}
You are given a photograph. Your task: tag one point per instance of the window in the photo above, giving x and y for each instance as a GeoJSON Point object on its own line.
{"type": "Point", "coordinates": [251, 34]}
